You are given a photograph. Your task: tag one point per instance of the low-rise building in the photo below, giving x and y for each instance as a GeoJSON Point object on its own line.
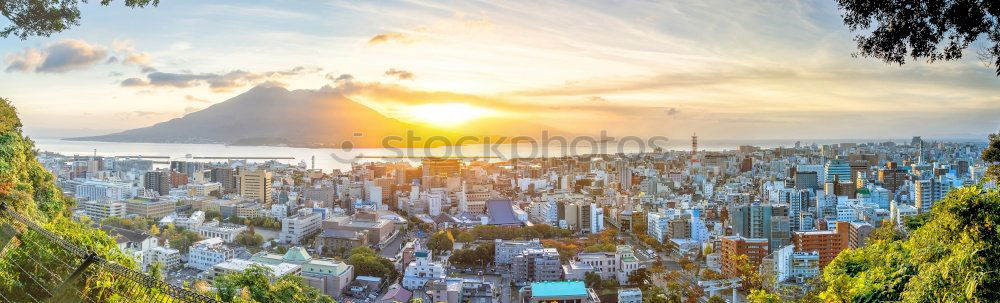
{"type": "Point", "coordinates": [422, 269]}
{"type": "Point", "coordinates": [169, 258]}
{"type": "Point", "coordinates": [303, 224]}
{"type": "Point", "coordinates": [629, 295]}
{"type": "Point", "coordinates": [225, 231]}
{"type": "Point", "coordinates": [379, 230]}
{"type": "Point", "coordinates": [558, 292]}
{"type": "Point", "coordinates": [327, 275]}
{"type": "Point", "coordinates": [241, 265]}
{"type": "Point", "coordinates": [204, 254]}
{"type": "Point", "coordinates": [155, 209]}
{"type": "Point", "coordinates": [790, 265]}
{"type": "Point", "coordinates": [334, 242]}
{"type": "Point", "coordinates": [97, 210]}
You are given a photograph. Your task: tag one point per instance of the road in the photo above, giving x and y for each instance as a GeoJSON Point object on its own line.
{"type": "Point", "coordinates": [669, 263]}
{"type": "Point", "coordinates": [394, 246]}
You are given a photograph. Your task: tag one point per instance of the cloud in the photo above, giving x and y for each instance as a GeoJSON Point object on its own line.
{"type": "Point", "coordinates": [180, 46]}
{"type": "Point", "coordinates": [391, 95]}
{"type": "Point", "coordinates": [137, 58]}
{"type": "Point", "coordinates": [399, 74]}
{"type": "Point", "coordinates": [26, 61]}
{"type": "Point", "coordinates": [597, 99]}
{"type": "Point", "coordinates": [134, 82]}
{"type": "Point", "coordinates": [341, 77]}
{"type": "Point", "coordinates": [671, 111]}
{"type": "Point", "coordinates": [58, 57]}
{"type": "Point", "coordinates": [191, 98]}
{"type": "Point", "coordinates": [218, 82]}
{"type": "Point", "coordinates": [391, 37]}
{"type": "Point", "coordinates": [115, 74]}
{"type": "Point", "coordinates": [663, 81]}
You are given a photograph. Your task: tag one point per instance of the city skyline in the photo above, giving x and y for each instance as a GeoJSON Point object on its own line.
{"type": "Point", "coordinates": [632, 69]}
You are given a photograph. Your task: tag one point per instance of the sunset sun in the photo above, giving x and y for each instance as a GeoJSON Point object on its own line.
{"type": "Point", "coordinates": [447, 114]}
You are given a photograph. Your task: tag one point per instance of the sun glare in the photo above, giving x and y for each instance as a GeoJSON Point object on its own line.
{"type": "Point", "coordinates": [447, 114]}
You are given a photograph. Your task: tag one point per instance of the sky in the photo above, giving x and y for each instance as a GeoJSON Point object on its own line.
{"type": "Point", "coordinates": [723, 69]}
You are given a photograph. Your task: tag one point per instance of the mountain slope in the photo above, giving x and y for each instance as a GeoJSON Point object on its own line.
{"type": "Point", "coordinates": [272, 115]}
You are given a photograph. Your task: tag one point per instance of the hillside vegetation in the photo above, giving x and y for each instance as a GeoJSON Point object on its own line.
{"type": "Point", "coordinates": [33, 267]}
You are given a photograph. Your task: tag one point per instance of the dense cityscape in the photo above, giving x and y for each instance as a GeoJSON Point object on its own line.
{"type": "Point", "coordinates": [693, 225]}
{"type": "Point", "coordinates": [426, 151]}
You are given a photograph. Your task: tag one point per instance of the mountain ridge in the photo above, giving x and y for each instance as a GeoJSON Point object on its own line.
{"type": "Point", "coordinates": [273, 115]}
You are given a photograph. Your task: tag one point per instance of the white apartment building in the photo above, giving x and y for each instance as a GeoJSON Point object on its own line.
{"type": "Point", "coordinates": [170, 258]}
{"type": "Point", "coordinates": [97, 210]}
{"type": "Point", "coordinates": [104, 190]}
{"type": "Point", "coordinates": [797, 266]}
{"type": "Point", "coordinates": [656, 226]}
{"type": "Point", "coordinates": [303, 224]}
{"type": "Point", "coordinates": [421, 270]}
{"type": "Point", "coordinates": [205, 254]}
{"type": "Point", "coordinates": [196, 219]}
{"type": "Point", "coordinates": [507, 250]}
{"type": "Point", "coordinates": [629, 295]}
{"type": "Point", "coordinates": [225, 231]}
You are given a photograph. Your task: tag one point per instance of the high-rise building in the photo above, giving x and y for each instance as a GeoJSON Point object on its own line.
{"type": "Point", "coordinates": [227, 177]}
{"type": "Point", "coordinates": [157, 181]}
{"type": "Point", "coordinates": [927, 192]}
{"type": "Point", "coordinates": [806, 180]}
{"type": "Point", "coordinates": [892, 177]}
{"type": "Point", "coordinates": [536, 265]}
{"type": "Point", "coordinates": [746, 165]}
{"type": "Point", "coordinates": [828, 243]}
{"type": "Point", "coordinates": [256, 185]}
{"type": "Point", "coordinates": [732, 246]}
{"type": "Point", "coordinates": [766, 221]}
{"type": "Point", "coordinates": [440, 167]}
{"type": "Point", "coordinates": [837, 170]}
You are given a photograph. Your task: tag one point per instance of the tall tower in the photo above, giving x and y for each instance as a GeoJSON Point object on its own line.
{"type": "Point", "coordinates": [694, 144]}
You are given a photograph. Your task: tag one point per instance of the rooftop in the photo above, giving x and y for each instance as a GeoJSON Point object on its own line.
{"type": "Point", "coordinates": [558, 289]}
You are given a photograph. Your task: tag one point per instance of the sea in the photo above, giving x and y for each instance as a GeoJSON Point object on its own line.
{"type": "Point", "coordinates": [329, 159]}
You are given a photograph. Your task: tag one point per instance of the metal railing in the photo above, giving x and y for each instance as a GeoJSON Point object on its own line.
{"type": "Point", "coordinates": [47, 268]}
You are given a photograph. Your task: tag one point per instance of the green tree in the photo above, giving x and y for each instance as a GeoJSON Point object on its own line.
{"type": "Point", "coordinates": [991, 155]}
{"type": "Point", "coordinates": [950, 258]}
{"type": "Point", "coordinates": [930, 29]}
{"type": "Point", "coordinates": [155, 270]}
{"type": "Point", "coordinates": [367, 263]}
{"type": "Point", "coordinates": [465, 237]}
{"type": "Point", "coordinates": [440, 242]}
{"type": "Point", "coordinates": [592, 279]}
{"type": "Point", "coordinates": [258, 284]}
{"type": "Point", "coordinates": [716, 299]}
{"type": "Point", "coordinates": [640, 277]}
{"type": "Point", "coordinates": [752, 278]}
{"type": "Point", "coordinates": [762, 296]}
{"type": "Point", "coordinates": [248, 238]}
{"type": "Point", "coordinates": [43, 18]}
